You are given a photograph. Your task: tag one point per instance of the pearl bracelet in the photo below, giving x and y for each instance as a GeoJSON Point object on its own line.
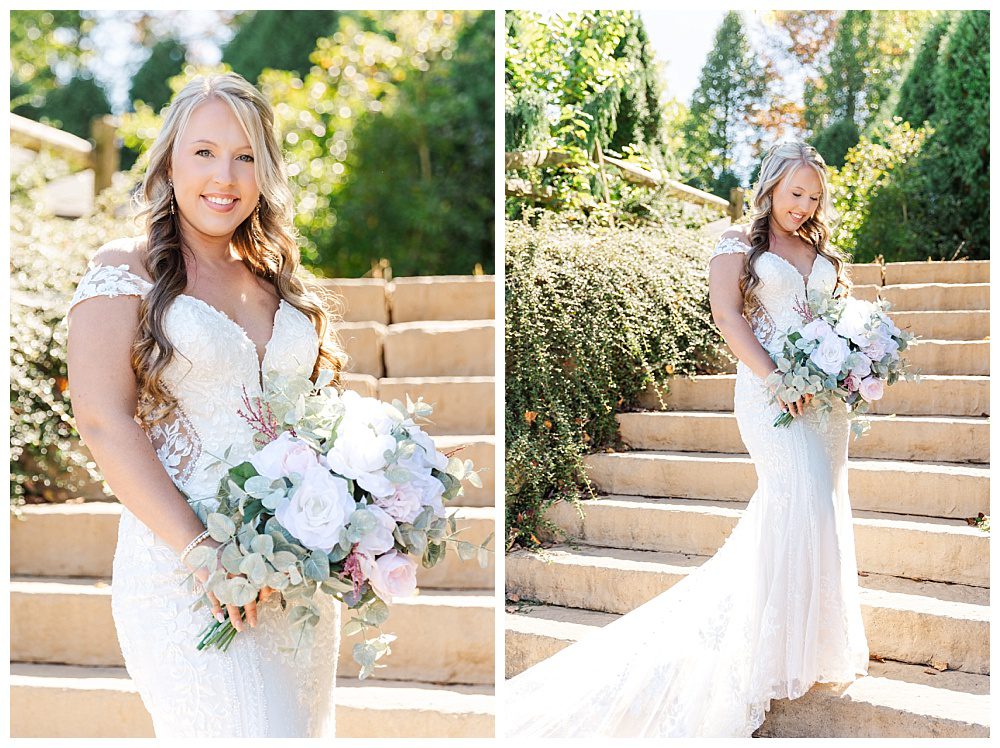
{"type": "Point", "coordinates": [192, 544]}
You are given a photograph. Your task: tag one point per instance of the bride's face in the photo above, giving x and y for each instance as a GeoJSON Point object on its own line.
{"type": "Point", "coordinates": [795, 198]}
{"type": "Point", "coordinates": [213, 173]}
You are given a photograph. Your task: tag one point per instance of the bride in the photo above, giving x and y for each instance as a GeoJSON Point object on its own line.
{"type": "Point", "coordinates": [777, 608]}
{"type": "Point", "coordinates": [166, 334]}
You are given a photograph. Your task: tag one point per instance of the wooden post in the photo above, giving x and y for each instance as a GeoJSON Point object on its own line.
{"type": "Point", "coordinates": [107, 154]}
{"type": "Point", "coordinates": [736, 204]}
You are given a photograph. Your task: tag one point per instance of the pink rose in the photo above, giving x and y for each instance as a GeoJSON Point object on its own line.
{"type": "Point", "coordinates": [284, 456]}
{"type": "Point", "coordinates": [404, 504]}
{"type": "Point", "coordinates": [851, 383]}
{"type": "Point", "coordinates": [391, 575]}
{"type": "Point", "coordinates": [380, 539]}
{"type": "Point", "coordinates": [871, 389]}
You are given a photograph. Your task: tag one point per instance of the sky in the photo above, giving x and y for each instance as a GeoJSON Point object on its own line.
{"type": "Point", "coordinates": [682, 40]}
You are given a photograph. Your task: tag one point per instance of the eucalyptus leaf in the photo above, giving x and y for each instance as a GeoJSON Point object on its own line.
{"type": "Point", "coordinates": [220, 527]}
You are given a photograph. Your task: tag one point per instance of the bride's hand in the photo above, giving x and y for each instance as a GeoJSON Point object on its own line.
{"type": "Point", "coordinates": [202, 574]}
{"type": "Point", "coordinates": [798, 407]}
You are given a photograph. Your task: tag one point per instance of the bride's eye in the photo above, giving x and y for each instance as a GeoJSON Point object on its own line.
{"type": "Point", "coordinates": [247, 156]}
{"type": "Point", "coordinates": [203, 150]}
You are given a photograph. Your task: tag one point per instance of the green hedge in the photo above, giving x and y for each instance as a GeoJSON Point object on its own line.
{"type": "Point", "coordinates": [593, 315]}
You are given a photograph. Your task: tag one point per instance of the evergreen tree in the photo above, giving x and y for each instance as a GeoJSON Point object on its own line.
{"type": "Point", "coordinates": [730, 88]}
{"type": "Point", "coordinates": [637, 120]}
{"type": "Point", "coordinates": [916, 95]}
{"type": "Point", "coordinates": [278, 39]}
{"type": "Point", "coordinates": [149, 84]}
{"type": "Point", "coordinates": [73, 106]}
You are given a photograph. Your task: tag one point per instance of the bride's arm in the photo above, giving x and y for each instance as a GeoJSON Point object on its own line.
{"type": "Point", "coordinates": [727, 312]}
{"type": "Point", "coordinates": [103, 391]}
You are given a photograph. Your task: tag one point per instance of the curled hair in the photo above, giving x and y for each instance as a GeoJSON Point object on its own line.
{"type": "Point", "coordinates": [265, 241]}
{"type": "Point", "coordinates": [781, 161]}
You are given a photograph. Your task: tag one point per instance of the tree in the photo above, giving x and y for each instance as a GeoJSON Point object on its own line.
{"type": "Point", "coordinates": [730, 90]}
{"type": "Point", "coordinates": [44, 45]}
{"type": "Point", "coordinates": [279, 39]}
{"type": "Point", "coordinates": [637, 115]}
{"type": "Point", "coordinates": [73, 106]}
{"type": "Point", "coordinates": [150, 83]}
{"type": "Point", "coordinates": [916, 95]}
{"type": "Point", "coordinates": [421, 179]}
{"type": "Point", "coordinates": [863, 71]}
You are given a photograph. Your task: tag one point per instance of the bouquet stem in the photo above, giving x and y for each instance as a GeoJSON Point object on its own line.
{"type": "Point", "coordinates": [219, 635]}
{"type": "Point", "coordinates": [783, 420]}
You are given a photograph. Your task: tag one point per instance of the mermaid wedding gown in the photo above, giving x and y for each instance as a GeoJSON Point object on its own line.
{"type": "Point", "coordinates": [775, 610]}
{"type": "Point", "coordinates": [253, 689]}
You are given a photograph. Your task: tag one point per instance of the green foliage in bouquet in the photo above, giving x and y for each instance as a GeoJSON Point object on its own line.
{"type": "Point", "coordinates": [593, 316]}
{"type": "Point", "coordinates": [259, 551]}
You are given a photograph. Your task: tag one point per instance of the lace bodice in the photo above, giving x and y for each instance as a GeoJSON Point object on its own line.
{"type": "Point", "coordinates": [781, 286]}
{"type": "Point", "coordinates": [214, 361]}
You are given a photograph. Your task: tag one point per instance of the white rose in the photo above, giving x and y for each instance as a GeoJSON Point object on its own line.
{"type": "Point", "coordinates": [816, 330]}
{"type": "Point", "coordinates": [855, 315]}
{"type": "Point", "coordinates": [317, 509]}
{"type": "Point", "coordinates": [380, 539]}
{"type": "Point", "coordinates": [284, 456]}
{"type": "Point", "coordinates": [391, 575]}
{"type": "Point", "coordinates": [359, 454]}
{"type": "Point", "coordinates": [430, 455]}
{"type": "Point", "coordinates": [830, 354]}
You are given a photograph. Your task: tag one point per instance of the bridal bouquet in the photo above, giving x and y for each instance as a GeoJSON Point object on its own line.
{"type": "Point", "coordinates": [342, 496]}
{"type": "Point", "coordinates": [846, 349]}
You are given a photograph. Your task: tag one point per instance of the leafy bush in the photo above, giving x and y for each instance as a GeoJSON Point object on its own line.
{"type": "Point", "coordinates": [47, 258]}
{"type": "Point", "coordinates": [593, 315]}
{"type": "Point", "coordinates": [867, 175]}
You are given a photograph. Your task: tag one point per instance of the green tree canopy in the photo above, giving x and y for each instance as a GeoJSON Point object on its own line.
{"type": "Point", "coordinates": [279, 39]}
{"type": "Point", "coordinates": [150, 83]}
{"type": "Point", "coordinates": [730, 88]}
{"type": "Point", "coordinates": [916, 95]}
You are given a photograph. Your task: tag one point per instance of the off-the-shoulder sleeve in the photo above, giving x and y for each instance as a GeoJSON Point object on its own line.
{"type": "Point", "coordinates": [111, 281]}
{"type": "Point", "coordinates": [729, 245]}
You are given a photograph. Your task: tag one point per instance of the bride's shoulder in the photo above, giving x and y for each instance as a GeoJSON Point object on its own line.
{"type": "Point", "coordinates": [732, 241]}
{"type": "Point", "coordinates": [126, 253]}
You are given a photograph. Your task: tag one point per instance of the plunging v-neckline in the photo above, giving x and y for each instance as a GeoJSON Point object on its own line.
{"type": "Point", "coordinates": [259, 355]}
{"type": "Point", "coordinates": [805, 278]}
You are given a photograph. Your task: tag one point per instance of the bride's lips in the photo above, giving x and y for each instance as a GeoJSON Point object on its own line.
{"type": "Point", "coordinates": [217, 207]}
{"type": "Point", "coordinates": [797, 219]}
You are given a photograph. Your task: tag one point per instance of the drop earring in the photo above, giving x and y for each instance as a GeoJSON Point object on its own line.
{"type": "Point", "coordinates": [171, 183]}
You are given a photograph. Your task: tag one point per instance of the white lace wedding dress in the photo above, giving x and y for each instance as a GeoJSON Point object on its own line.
{"type": "Point", "coordinates": [252, 689]}
{"type": "Point", "coordinates": [775, 610]}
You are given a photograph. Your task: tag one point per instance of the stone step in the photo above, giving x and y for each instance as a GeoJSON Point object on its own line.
{"type": "Point", "coordinates": [922, 488]}
{"type": "Point", "coordinates": [439, 348]}
{"type": "Point", "coordinates": [567, 592]}
{"type": "Point", "coordinates": [895, 544]}
{"type": "Point", "coordinates": [363, 343]}
{"type": "Point", "coordinates": [66, 701]}
{"type": "Point", "coordinates": [963, 357]}
{"type": "Point", "coordinates": [364, 384]}
{"type": "Point", "coordinates": [442, 637]}
{"type": "Point", "coordinates": [915, 297]}
{"type": "Point", "coordinates": [481, 449]}
{"type": "Point", "coordinates": [928, 438]}
{"type": "Point", "coordinates": [462, 405]}
{"type": "Point", "coordinates": [893, 701]}
{"type": "Point", "coordinates": [955, 325]}
{"type": "Point", "coordinates": [441, 297]}
{"type": "Point", "coordinates": [359, 299]}
{"type": "Point", "coordinates": [78, 540]}
{"type": "Point", "coordinates": [865, 274]}
{"type": "Point", "coordinates": [933, 395]}
{"type": "Point", "coordinates": [966, 271]}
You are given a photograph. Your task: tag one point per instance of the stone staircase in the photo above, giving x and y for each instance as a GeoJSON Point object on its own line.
{"type": "Point", "coordinates": [669, 503]}
{"type": "Point", "coordinates": [67, 674]}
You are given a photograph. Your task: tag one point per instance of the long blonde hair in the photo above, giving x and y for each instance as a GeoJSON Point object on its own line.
{"type": "Point", "coordinates": [780, 162]}
{"type": "Point", "coordinates": [265, 241]}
